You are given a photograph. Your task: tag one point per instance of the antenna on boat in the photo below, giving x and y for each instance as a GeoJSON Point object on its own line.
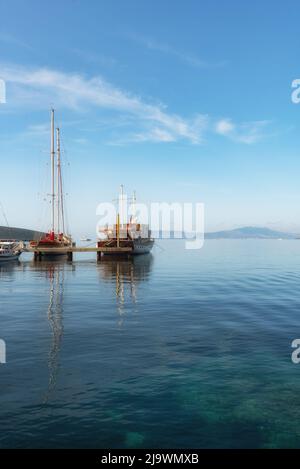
{"type": "Point", "coordinates": [52, 176]}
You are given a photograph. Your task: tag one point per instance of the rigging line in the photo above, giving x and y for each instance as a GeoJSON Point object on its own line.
{"type": "Point", "coordinates": [62, 200]}
{"type": "Point", "coordinates": [42, 195]}
{"type": "Point", "coordinates": [4, 215]}
{"type": "Point", "coordinates": [63, 181]}
{"type": "Point", "coordinates": [60, 214]}
{"type": "Point", "coordinates": [61, 185]}
{"type": "Point", "coordinates": [65, 150]}
{"type": "Point", "coordinates": [5, 218]}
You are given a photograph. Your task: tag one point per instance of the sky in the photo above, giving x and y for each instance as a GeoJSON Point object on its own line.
{"type": "Point", "coordinates": [181, 101]}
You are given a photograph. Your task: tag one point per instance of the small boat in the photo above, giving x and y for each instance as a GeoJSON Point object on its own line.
{"type": "Point", "coordinates": [10, 250]}
{"type": "Point", "coordinates": [84, 239]}
{"type": "Point", "coordinates": [128, 238]}
{"type": "Point", "coordinates": [56, 241]}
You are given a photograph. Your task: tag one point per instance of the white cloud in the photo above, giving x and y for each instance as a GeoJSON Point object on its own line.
{"type": "Point", "coordinates": [225, 127]}
{"type": "Point", "coordinates": [40, 88]}
{"type": "Point", "coordinates": [248, 132]}
{"type": "Point", "coordinates": [155, 135]}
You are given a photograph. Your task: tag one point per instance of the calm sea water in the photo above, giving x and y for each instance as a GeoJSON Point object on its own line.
{"type": "Point", "coordinates": [176, 349]}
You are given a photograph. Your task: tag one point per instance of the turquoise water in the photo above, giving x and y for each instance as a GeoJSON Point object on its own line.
{"type": "Point", "coordinates": [177, 349]}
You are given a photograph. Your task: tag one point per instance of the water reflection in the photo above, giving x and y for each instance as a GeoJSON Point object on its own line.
{"type": "Point", "coordinates": [127, 273]}
{"type": "Point", "coordinates": [55, 272]}
{"type": "Point", "coordinates": [8, 269]}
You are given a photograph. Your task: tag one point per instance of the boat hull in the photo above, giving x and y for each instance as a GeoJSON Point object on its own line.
{"type": "Point", "coordinates": [52, 254]}
{"type": "Point", "coordinates": [136, 246]}
{"type": "Point", "coordinates": [9, 258]}
{"type": "Point", "coordinates": [51, 248]}
{"type": "Point", "coordinates": [142, 246]}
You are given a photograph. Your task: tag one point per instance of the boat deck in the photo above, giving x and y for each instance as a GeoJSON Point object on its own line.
{"type": "Point", "coordinates": [78, 249]}
{"type": "Point", "coordinates": [69, 250]}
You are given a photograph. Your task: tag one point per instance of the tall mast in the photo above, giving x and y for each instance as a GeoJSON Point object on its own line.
{"type": "Point", "coordinates": [120, 213]}
{"type": "Point", "coordinates": [121, 204]}
{"type": "Point", "coordinates": [118, 230]}
{"type": "Point", "coordinates": [52, 175]}
{"type": "Point", "coordinates": [60, 195]}
{"type": "Point", "coordinates": [58, 178]}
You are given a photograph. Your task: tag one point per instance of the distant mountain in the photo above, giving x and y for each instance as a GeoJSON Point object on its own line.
{"type": "Point", "coordinates": [238, 233]}
{"type": "Point", "coordinates": [250, 232]}
{"type": "Point", "coordinates": [19, 234]}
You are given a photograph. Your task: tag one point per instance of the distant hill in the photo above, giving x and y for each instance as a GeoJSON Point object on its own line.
{"type": "Point", "coordinates": [238, 233]}
{"type": "Point", "coordinates": [250, 232]}
{"type": "Point", "coordinates": [19, 234]}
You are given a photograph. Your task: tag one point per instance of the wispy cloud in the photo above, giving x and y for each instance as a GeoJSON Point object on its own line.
{"type": "Point", "coordinates": [247, 132]}
{"type": "Point", "coordinates": [156, 135]}
{"type": "Point", "coordinates": [181, 55]}
{"type": "Point", "coordinates": [140, 120]}
{"type": "Point", "coordinates": [43, 86]}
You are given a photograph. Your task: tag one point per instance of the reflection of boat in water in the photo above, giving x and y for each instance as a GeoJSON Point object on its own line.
{"type": "Point", "coordinates": [10, 250]}
{"type": "Point", "coordinates": [127, 273]}
{"type": "Point", "coordinates": [8, 269]}
{"type": "Point", "coordinates": [55, 273]}
{"type": "Point", "coordinates": [128, 269]}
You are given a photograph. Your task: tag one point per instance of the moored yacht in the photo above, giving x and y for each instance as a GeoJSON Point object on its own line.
{"type": "Point", "coordinates": [10, 250]}
{"type": "Point", "coordinates": [56, 241]}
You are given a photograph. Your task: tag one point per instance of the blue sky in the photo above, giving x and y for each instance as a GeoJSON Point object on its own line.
{"type": "Point", "coordinates": [182, 101]}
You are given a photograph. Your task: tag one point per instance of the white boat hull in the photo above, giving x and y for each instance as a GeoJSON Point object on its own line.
{"type": "Point", "coordinates": [10, 250]}
{"type": "Point", "coordinates": [8, 258]}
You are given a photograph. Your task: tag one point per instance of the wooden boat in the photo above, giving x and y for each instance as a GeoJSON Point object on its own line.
{"type": "Point", "coordinates": [56, 238]}
{"type": "Point", "coordinates": [134, 237]}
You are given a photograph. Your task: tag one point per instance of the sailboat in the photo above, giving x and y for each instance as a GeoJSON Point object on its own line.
{"type": "Point", "coordinates": [56, 238]}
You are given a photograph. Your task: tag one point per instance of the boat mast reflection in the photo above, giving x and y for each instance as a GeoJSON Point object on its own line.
{"type": "Point", "coordinates": [127, 273]}
{"type": "Point", "coordinates": [55, 272]}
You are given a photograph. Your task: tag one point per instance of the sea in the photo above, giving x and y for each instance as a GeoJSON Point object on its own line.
{"type": "Point", "coordinates": [176, 349]}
